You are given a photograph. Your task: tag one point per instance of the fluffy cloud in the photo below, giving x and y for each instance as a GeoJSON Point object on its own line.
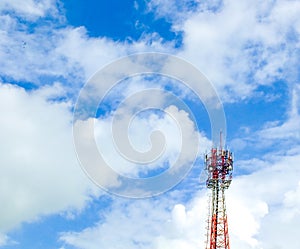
{"type": "Point", "coordinates": [129, 217]}
{"type": "Point", "coordinates": [29, 9]}
{"type": "Point", "coordinates": [30, 57]}
{"type": "Point", "coordinates": [39, 171]}
{"type": "Point", "coordinates": [141, 224]}
{"type": "Point", "coordinates": [275, 186]}
{"type": "Point", "coordinates": [259, 205]}
{"type": "Point", "coordinates": [136, 141]}
{"type": "Point", "coordinates": [254, 44]}
{"type": "Point", "coordinates": [141, 126]}
{"type": "Point", "coordinates": [238, 45]}
{"type": "Point", "coordinates": [277, 137]}
{"type": "Point", "coordinates": [288, 130]}
{"type": "Point", "coordinates": [55, 50]}
{"type": "Point", "coordinates": [92, 54]}
{"type": "Point", "coordinates": [3, 240]}
{"type": "Point", "coordinates": [251, 43]}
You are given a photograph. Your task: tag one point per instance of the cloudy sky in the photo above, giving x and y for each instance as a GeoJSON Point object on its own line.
{"type": "Point", "coordinates": [49, 49]}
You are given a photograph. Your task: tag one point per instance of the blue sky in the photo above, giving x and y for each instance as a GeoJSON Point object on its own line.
{"type": "Point", "coordinates": [118, 20]}
{"type": "Point", "coordinates": [49, 49]}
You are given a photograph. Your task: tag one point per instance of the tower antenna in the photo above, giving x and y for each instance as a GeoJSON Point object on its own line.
{"type": "Point", "coordinates": [219, 166]}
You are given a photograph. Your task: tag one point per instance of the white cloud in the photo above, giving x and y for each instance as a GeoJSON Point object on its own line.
{"type": "Point", "coordinates": [288, 130]}
{"type": "Point", "coordinates": [129, 217]}
{"type": "Point", "coordinates": [270, 195]}
{"type": "Point", "coordinates": [3, 240]}
{"type": "Point", "coordinates": [174, 11]}
{"type": "Point", "coordinates": [135, 141]}
{"type": "Point", "coordinates": [239, 44]}
{"type": "Point", "coordinates": [236, 44]}
{"type": "Point", "coordinates": [171, 125]}
{"type": "Point", "coordinates": [142, 224]}
{"type": "Point", "coordinates": [292, 203]}
{"type": "Point", "coordinates": [31, 57]}
{"type": "Point", "coordinates": [275, 138]}
{"type": "Point", "coordinates": [53, 49]}
{"type": "Point", "coordinates": [29, 9]}
{"type": "Point", "coordinates": [92, 54]}
{"type": "Point", "coordinates": [39, 171]}
{"type": "Point", "coordinates": [259, 206]}
{"type": "Point", "coordinates": [283, 223]}
{"type": "Point", "coordinates": [266, 195]}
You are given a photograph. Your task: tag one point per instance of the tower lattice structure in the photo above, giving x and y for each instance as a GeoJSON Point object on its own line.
{"type": "Point", "coordinates": [219, 166]}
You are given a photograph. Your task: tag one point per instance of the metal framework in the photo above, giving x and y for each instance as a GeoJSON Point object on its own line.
{"type": "Point", "coordinates": [219, 166]}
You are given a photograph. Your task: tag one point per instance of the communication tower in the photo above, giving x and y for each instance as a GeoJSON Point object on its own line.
{"type": "Point", "coordinates": [219, 166]}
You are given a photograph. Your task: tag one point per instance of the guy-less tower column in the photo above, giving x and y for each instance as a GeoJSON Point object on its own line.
{"type": "Point", "coordinates": [219, 166]}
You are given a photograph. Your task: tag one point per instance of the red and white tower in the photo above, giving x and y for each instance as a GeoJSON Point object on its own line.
{"type": "Point", "coordinates": [219, 166]}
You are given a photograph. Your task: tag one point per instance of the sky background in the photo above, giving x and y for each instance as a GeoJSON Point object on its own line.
{"type": "Point", "coordinates": [250, 52]}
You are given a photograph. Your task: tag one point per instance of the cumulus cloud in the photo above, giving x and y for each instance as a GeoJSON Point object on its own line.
{"type": "Point", "coordinates": [254, 44]}
{"type": "Point", "coordinates": [92, 54]}
{"type": "Point", "coordinates": [139, 133]}
{"type": "Point", "coordinates": [238, 45]}
{"type": "Point", "coordinates": [56, 50]}
{"type": "Point", "coordinates": [136, 141]}
{"type": "Point", "coordinates": [259, 206]}
{"type": "Point", "coordinates": [129, 217]}
{"type": "Point", "coordinates": [269, 193]}
{"type": "Point", "coordinates": [277, 137]}
{"type": "Point", "coordinates": [30, 57]}
{"type": "Point", "coordinates": [289, 129]}
{"type": "Point", "coordinates": [29, 9]}
{"type": "Point", "coordinates": [283, 222]}
{"type": "Point", "coordinates": [292, 203]}
{"type": "Point", "coordinates": [265, 196]}
{"type": "Point", "coordinates": [142, 224]}
{"type": "Point", "coordinates": [3, 239]}
{"type": "Point", "coordinates": [39, 170]}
